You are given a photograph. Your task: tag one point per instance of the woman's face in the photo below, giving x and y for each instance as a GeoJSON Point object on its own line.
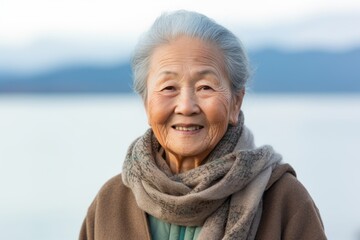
{"type": "Point", "coordinates": [189, 101]}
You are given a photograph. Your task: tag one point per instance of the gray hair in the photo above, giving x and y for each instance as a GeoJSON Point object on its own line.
{"type": "Point", "coordinates": [170, 26]}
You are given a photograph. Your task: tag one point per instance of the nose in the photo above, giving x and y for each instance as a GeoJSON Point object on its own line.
{"type": "Point", "coordinates": [187, 103]}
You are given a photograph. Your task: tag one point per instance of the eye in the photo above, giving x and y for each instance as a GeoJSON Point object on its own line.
{"type": "Point", "coordinates": [205, 87]}
{"type": "Point", "coordinates": [168, 88]}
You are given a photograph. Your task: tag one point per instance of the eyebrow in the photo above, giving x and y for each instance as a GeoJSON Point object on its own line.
{"type": "Point", "coordinates": [196, 74]}
{"type": "Point", "coordinates": [168, 73]}
{"type": "Point", "coordinates": [206, 72]}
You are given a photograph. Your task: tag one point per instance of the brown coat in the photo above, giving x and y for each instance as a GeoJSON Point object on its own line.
{"type": "Point", "coordinates": [288, 212]}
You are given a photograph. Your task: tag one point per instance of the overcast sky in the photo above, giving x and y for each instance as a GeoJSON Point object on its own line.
{"type": "Point", "coordinates": [22, 21]}
{"type": "Point", "coordinates": [35, 26]}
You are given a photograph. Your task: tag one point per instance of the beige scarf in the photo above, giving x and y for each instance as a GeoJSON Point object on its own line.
{"type": "Point", "coordinates": [224, 195]}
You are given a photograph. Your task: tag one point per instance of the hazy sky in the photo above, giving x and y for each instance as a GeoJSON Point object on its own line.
{"type": "Point", "coordinates": [40, 33]}
{"type": "Point", "coordinates": [23, 21]}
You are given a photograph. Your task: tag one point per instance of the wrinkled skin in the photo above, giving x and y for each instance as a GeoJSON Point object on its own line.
{"type": "Point", "coordinates": [189, 100]}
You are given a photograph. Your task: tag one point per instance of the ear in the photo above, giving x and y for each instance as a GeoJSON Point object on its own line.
{"type": "Point", "coordinates": [235, 107]}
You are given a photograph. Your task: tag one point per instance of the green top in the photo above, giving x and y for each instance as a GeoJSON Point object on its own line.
{"type": "Point", "coordinates": [160, 230]}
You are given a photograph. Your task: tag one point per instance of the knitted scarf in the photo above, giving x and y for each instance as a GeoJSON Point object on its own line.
{"type": "Point", "coordinates": [223, 195]}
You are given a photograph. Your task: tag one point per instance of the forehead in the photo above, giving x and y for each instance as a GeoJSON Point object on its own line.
{"type": "Point", "coordinates": [187, 51]}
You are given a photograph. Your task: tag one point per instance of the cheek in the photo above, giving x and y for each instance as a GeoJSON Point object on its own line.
{"type": "Point", "coordinates": [218, 110]}
{"type": "Point", "coordinates": [158, 110]}
{"type": "Point", "coordinates": [158, 117]}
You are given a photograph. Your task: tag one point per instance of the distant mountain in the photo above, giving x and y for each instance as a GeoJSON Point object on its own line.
{"type": "Point", "coordinates": [310, 71]}
{"type": "Point", "coordinates": [75, 79]}
{"type": "Point", "coordinates": [274, 71]}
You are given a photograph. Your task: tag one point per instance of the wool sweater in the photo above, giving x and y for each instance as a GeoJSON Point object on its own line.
{"type": "Point", "coordinates": [289, 212]}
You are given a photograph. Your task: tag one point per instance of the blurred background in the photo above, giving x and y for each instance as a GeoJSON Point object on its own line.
{"type": "Point", "coordinates": [68, 114]}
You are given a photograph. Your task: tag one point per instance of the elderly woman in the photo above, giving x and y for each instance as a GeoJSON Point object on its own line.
{"type": "Point", "coordinates": [196, 173]}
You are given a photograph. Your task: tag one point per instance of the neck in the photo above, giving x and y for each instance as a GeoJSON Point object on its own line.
{"type": "Point", "coordinates": [181, 164]}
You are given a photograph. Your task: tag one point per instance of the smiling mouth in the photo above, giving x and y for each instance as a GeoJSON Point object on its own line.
{"type": "Point", "coordinates": [187, 128]}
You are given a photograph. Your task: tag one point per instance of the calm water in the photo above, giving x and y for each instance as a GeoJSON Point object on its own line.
{"type": "Point", "coordinates": [57, 151]}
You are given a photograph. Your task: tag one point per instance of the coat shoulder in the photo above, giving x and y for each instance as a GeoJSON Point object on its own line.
{"type": "Point", "coordinates": [113, 186]}
{"type": "Point", "coordinates": [289, 212]}
{"type": "Point", "coordinates": [114, 214]}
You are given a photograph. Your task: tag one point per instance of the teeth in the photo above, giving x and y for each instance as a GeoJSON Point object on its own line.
{"type": "Point", "coordinates": [187, 128]}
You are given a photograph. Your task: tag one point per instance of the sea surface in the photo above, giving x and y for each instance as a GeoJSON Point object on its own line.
{"type": "Point", "coordinates": [56, 151]}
